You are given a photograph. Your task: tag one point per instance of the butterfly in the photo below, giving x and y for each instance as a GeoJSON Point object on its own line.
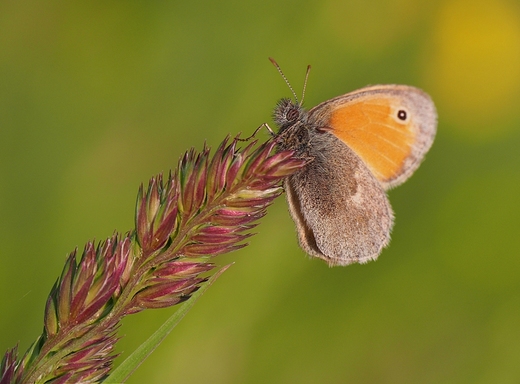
{"type": "Point", "coordinates": [357, 146]}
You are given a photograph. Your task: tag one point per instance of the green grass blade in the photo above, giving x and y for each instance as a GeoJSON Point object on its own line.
{"type": "Point", "coordinates": [132, 362]}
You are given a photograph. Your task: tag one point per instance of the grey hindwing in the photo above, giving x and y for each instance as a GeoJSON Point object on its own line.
{"type": "Point", "coordinates": [341, 211]}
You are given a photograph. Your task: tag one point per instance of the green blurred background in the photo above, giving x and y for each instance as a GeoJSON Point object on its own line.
{"type": "Point", "coordinates": [96, 97]}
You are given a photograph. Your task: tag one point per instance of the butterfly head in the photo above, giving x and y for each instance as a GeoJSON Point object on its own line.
{"type": "Point", "coordinates": [287, 113]}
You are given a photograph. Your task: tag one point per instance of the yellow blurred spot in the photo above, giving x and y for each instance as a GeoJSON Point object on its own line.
{"type": "Point", "coordinates": [475, 68]}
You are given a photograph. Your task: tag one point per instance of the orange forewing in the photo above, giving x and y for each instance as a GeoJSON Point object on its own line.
{"type": "Point", "coordinates": [369, 127]}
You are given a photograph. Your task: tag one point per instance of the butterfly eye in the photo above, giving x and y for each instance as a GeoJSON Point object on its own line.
{"type": "Point", "coordinates": [292, 114]}
{"type": "Point", "coordinates": [402, 115]}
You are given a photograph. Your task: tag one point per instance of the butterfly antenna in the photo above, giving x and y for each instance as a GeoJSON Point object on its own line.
{"type": "Point", "coordinates": [305, 83]}
{"type": "Point", "coordinates": [285, 78]}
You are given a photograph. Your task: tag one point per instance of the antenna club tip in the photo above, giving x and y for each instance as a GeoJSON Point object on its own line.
{"type": "Point", "coordinates": [274, 62]}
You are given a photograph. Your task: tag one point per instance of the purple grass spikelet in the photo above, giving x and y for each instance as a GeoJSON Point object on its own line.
{"type": "Point", "coordinates": [205, 208]}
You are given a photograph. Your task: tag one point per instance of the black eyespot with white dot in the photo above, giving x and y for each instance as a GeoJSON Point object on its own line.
{"type": "Point", "coordinates": [402, 115]}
